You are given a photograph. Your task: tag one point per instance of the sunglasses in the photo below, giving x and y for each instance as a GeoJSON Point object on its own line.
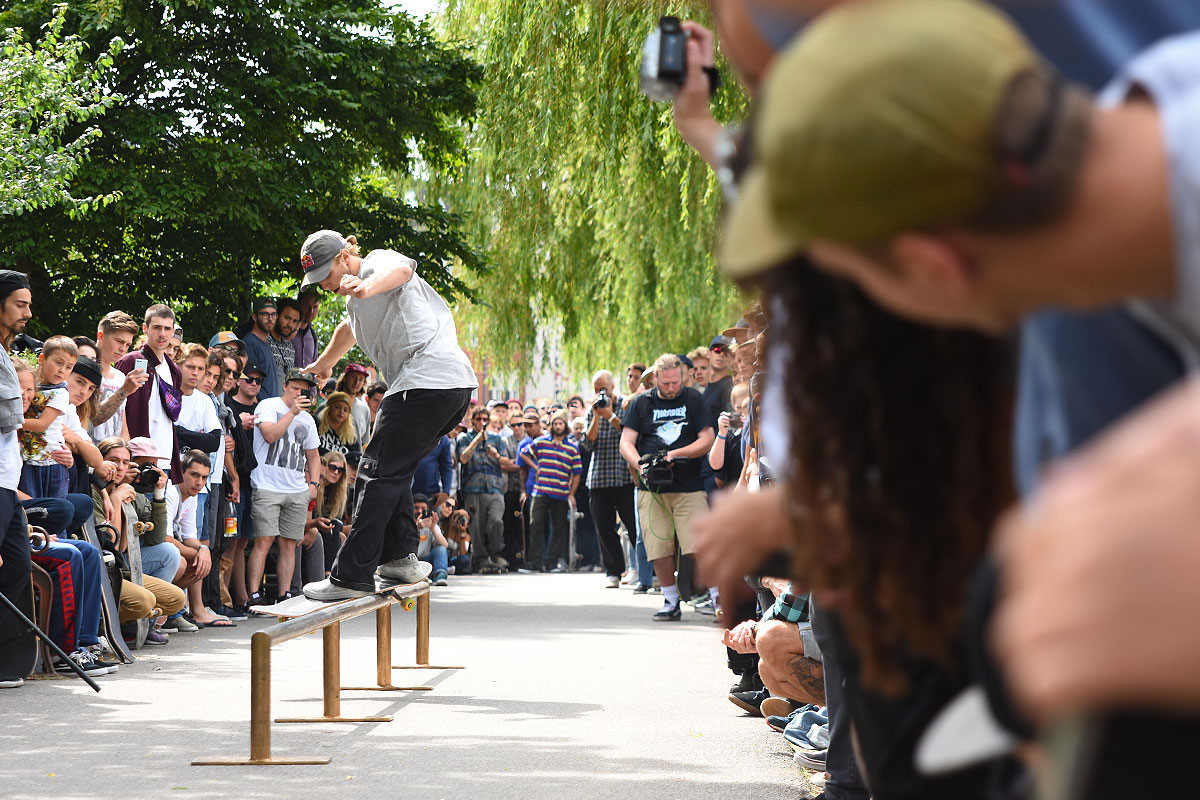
{"type": "Point", "coordinates": [248, 379]}
{"type": "Point", "coordinates": [335, 468]}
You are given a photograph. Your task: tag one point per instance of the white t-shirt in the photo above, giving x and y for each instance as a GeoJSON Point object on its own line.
{"type": "Point", "coordinates": [52, 438]}
{"type": "Point", "coordinates": [181, 515]}
{"type": "Point", "coordinates": [112, 381]}
{"type": "Point", "coordinates": [162, 429]}
{"type": "Point", "coordinates": [10, 461]}
{"type": "Point", "coordinates": [197, 413]}
{"type": "Point", "coordinates": [281, 464]}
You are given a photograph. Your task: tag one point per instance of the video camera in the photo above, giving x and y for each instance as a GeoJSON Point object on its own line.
{"type": "Point", "coordinates": [658, 472]}
{"type": "Point", "coordinates": [664, 62]}
{"type": "Point", "coordinates": [602, 400]}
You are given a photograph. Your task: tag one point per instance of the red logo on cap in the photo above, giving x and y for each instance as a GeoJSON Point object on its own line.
{"type": "Point", "coordinates": [307, 261]}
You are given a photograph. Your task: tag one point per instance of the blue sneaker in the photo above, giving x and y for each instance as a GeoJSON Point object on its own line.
{"type": "Point", "coordinates": [439, 578]}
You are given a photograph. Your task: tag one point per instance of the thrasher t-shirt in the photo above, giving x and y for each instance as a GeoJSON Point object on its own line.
{"type": "Point", "coordinates": [669, 425]}
{"type": "Point", "coordinates": [281, 463]}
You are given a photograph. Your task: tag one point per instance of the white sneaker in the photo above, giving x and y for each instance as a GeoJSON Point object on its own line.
{"type": "Point", "coordinates": [327, 591]}
{"type": "Point", "coordinates": [614, 582]}
{"type": "Point", "coordinates": [405, 570]}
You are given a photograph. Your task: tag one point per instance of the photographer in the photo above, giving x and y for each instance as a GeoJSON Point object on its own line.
{"type": "Point", "coordinates": [669, 424]}
{"type": "Point", "coordinates": [609, 484]}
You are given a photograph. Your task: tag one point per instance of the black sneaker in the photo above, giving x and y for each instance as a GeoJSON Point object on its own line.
{"type": "Point", "coordinates": [641, 588]}
{"type": "Point", "coordinates": [256, 599]}
{"type": "Point", "coordinates": [10, 681]}
{"type": "Point", "coordinates": [85, 662]}
{"type": "Point", "coordinates": [750, 702]}
{"type": "Point", "coordinates": [668, 614]}
{"type": "Point", "coordinates": [234, 613]}
{"type": "Point", "coordinates": [749, 682]}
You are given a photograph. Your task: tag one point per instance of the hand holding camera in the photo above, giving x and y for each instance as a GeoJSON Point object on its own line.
{"type": "Point", "coordinates": [677, 60]}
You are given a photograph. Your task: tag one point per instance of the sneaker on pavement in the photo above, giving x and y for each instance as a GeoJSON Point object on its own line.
{"type": "Point", "coordinates": [439, 578]}
{"type": "Point", "coordinates": [748, 681]}
{"type": "Point", "coordinates": [236, 613]}
{"type": "Point", "coordinates": [97, 650]}
{"type": "Point", "coordinates": [668, 613]}
{"type": "Point", "coordinates": [629, 578]}
{"type": "Point", "coordinates": [156, 637]}
{"type": "Point", "coordinates": [812, 759]}
{"type": "Point", "coordinates": [10, 682]}
{"type": "Point", "coordinates": [705, 606]}
{"type": "Point", "coordinates": [614, 582]}
{"type": "Point", "coordinates": [178, 623]}
{"type": "Point", "coordinates": [779, 707]}
{"type": "Point", "coordinates": [641, 588]}
{"type": "Point", "coordinates": [750, 702]}
{"type": "Point", "coordinates": [327, 591]}
{"type": "Point", "coordinates": [402, 570]}
{"type": "Point", "coordinates": [559, 568]}
{"type": "Point", "coordinates": [85, 661]}
{"type": "Point", "coordinates": [501, 562]}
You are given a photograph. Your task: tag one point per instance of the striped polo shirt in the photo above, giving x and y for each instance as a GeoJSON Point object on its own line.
{"type": "Point", "coordinates": [556, 462]}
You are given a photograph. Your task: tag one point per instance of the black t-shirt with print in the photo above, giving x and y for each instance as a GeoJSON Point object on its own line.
{"type": "Point", "coordinates": [669, 425]}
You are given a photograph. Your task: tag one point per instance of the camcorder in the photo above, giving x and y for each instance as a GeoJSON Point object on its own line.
{"type": "Point", "coordinates": [664, 62]}
{"type": "Point", "coordinates": [601, 399]}
{"type": "Point", "coordinates": [146, 480]}
{"type": "Point", "coordinates": [658, 472]}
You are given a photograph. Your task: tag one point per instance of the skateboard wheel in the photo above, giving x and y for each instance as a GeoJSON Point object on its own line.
{"type": "Point", "coordinates": [408, 603]}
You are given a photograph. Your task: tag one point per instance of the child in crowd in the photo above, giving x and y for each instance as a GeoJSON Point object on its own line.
{"type": "Point", "coordinates": [42, 432]}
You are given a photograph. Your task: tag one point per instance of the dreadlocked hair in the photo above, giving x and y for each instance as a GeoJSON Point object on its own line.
{"type": "Point", "coordinates": [898, 463]}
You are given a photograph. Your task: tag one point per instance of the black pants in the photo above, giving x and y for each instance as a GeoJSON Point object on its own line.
{"type": "Point", "coordinates": [607, 504]}
{"type": "Point", "coordinates": [407, 428]}
{"type": "Point", "coordinates": [14, 549]}
{"type": "Point", "coordinates": [545, 510]}
{"type": "Point", "coordinates": [844, 781]}
{"type": "Point", "coordinates": [514, 530]}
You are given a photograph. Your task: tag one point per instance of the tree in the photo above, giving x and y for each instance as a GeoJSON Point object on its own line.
{"type": "Point", "coordinates": [44, 90]}
{"type": "Point", "coordinates": [595, 214]}
{"type": "Point", "coordinates": [247, 124]}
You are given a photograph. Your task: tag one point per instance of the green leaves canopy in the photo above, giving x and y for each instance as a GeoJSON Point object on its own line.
{"type": "Point", "coordinates": [595, 214]}
{"type": "Point", "coordinates": [46, 88]}
{"type": "Point", "coordinates": [246, 125]}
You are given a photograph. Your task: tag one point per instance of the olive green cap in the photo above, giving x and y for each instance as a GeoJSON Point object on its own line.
{"type": "Point", "coordinates": [879, 119]}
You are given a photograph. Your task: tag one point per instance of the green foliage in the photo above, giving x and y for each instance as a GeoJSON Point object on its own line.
{"type": "Point", "coordinates": [246, 125]}
{"type": "Point", "coordinates": [47, 92]}
{"type": "Point", "coordinates": [596, 215]}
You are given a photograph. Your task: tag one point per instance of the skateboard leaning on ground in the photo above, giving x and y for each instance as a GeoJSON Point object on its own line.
{"type": "Point", "coordinates": [300, 605]}
{"type": "Point", "coordinates": [18, 642]}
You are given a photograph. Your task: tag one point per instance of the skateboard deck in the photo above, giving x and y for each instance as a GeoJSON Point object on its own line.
{"type": "Point", "coordinates": [300, 605]}
{"type": "Point", "coordinates": [111, 616]}
{"type": "Point", "coordinates": [18, 642]}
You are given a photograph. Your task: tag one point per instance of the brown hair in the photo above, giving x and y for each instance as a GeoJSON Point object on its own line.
{"type": "Point", "coordinates": [115, 321]}
{"type": "Point", "coordinates": [56, 343]}
{"type": "Point", "coordinates": [159, 311]}
{"type": "Point", "coordinates": [193, 350]}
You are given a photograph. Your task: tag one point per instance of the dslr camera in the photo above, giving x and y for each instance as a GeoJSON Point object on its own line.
{"type": "Point", "coordinates": [664, 62]}
{"type": "Point", "coordinates": [657, 472]}
{"type": "Point", "coordinates": [146, 480]}
{"type": "Point", "coordinates": [601, 399]}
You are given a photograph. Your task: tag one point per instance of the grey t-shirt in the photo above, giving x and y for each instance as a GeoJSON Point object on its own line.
{"type": "Point", "coordinates": [409, 332]}
{"type": "Point", "coordinates": [1169, 73]}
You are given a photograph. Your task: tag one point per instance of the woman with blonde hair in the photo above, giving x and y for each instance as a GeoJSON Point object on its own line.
{"type": "Point", "coordinates": [329, 509]}
{"type": "Point", "coordinates": [335, 426]}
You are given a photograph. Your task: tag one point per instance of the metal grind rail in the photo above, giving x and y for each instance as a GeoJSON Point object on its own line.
{"type": "Point", "coordinates": [328, 620]}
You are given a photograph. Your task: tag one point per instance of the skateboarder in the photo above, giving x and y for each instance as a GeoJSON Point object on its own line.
{"type": "Point", "coordinates": [407, 330]}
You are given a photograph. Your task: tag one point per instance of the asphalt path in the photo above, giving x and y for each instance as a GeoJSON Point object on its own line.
{"type": "Point", "coordinates": [570, 691]}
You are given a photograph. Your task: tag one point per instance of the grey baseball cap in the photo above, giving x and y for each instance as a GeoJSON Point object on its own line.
{"type": "Point", "coordinates": [317, 254]}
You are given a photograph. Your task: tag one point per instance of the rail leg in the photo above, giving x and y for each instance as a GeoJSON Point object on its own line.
{"type": "Point", "coordinates": [422, 637]}
{"type": "Point", "coordinates": [383, 658]}
{"type": "Point", "coordinates": [331, 658]}
{"type": "Point", "coordinates": [260, 716]}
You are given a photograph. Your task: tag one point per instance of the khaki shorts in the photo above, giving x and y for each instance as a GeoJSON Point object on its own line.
{"type": "Point", "coordinates": [667, 517]}
{"type": "Point", "coordinates": [279, 514]}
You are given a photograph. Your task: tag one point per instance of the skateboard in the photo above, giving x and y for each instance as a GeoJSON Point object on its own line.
{"type": "Point", "coordinates": [300, 605]}
{"type": "Point", "coordinates": [18, 642]}
{"type": "Point", "coordinates": [111, 616]}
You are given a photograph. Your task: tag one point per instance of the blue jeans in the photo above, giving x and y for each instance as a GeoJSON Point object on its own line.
{"type": "Point", "coordinates": [51, 513]}
{"type": "Point", "coordinates": [645, 569]}
{"type": "Point", "coordinates": [439, 556]}
{"type": "Point", "coordinates": [161, 561]}
{"type": "Point", "coordinates": [86, 564]}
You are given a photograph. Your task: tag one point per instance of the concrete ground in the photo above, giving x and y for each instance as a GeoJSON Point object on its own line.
{"type": "Point", "coordinates": [570, 691]}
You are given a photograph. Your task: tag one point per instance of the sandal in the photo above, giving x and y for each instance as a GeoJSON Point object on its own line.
{"type": "Point", "coordinates": [219, 622]}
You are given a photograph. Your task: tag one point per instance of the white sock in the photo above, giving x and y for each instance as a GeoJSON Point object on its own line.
{"type": "Point", "coordinates": [714, 595]}
{"type": "Point", "coordinates": [671, 595]}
